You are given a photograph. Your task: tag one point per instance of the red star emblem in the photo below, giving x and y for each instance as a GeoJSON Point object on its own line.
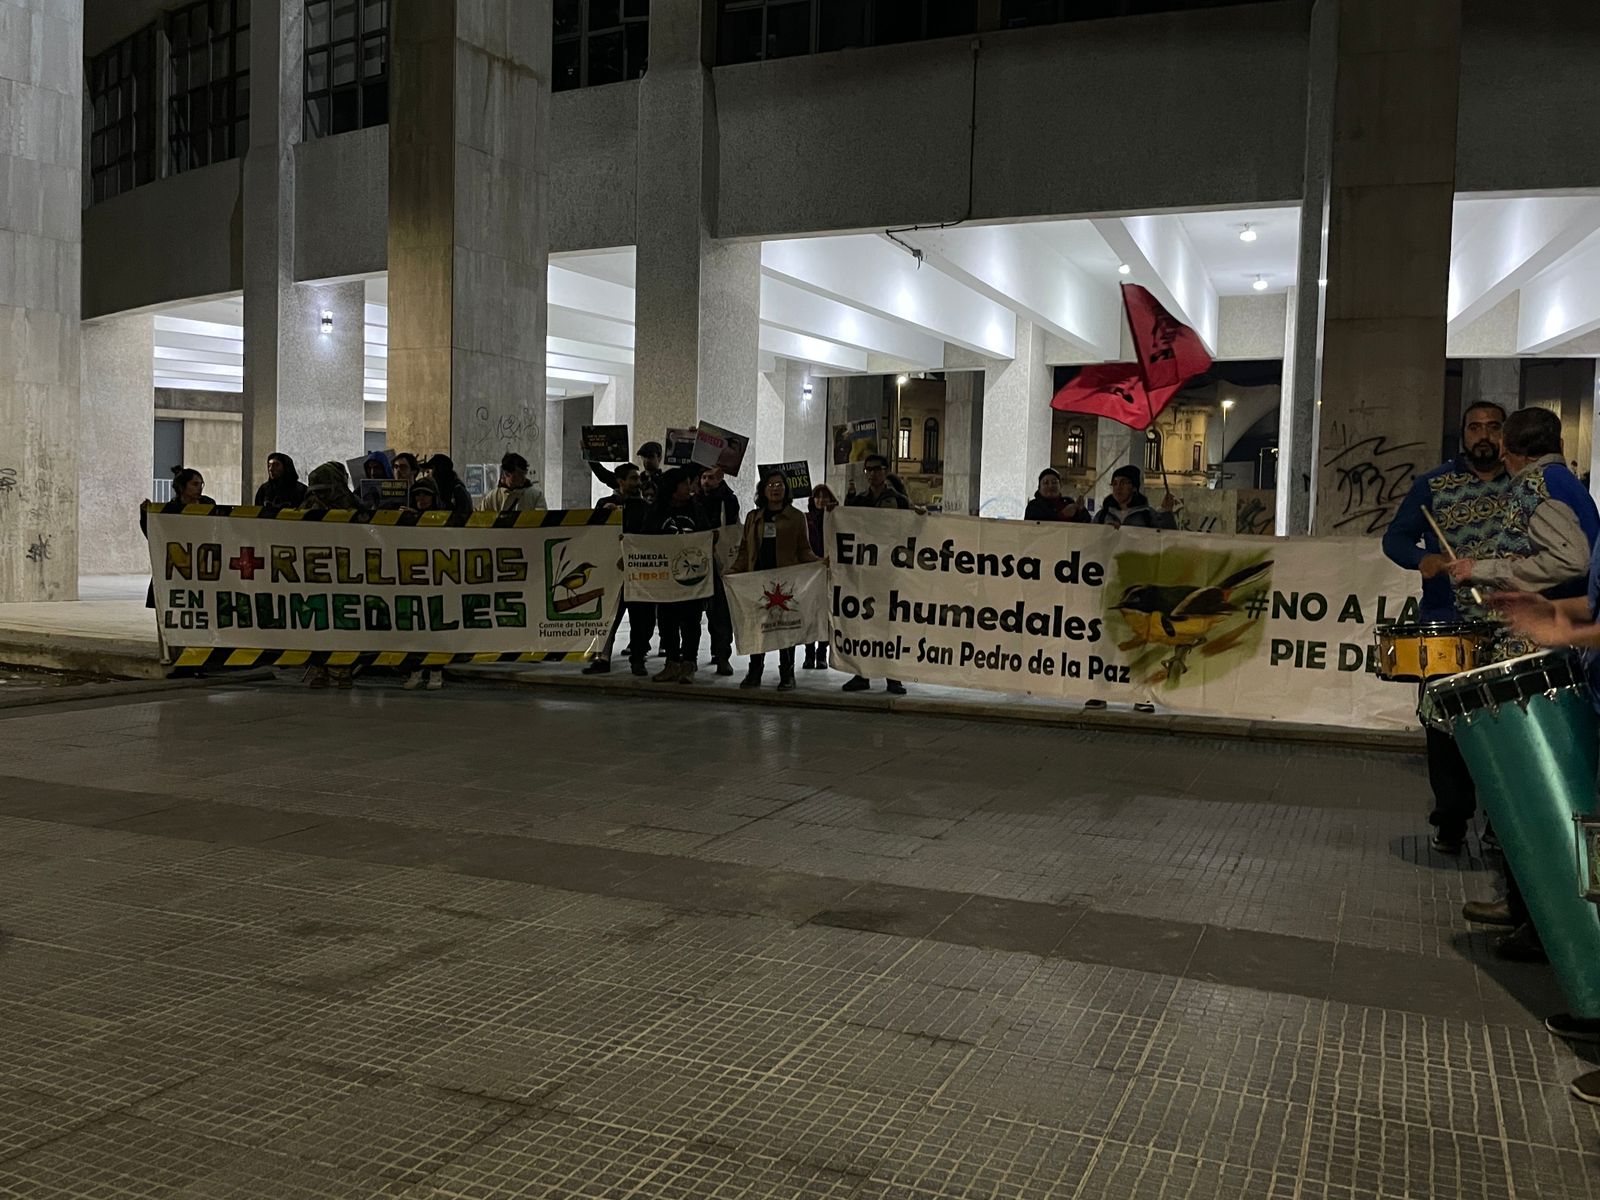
{"type": "Point", "coordinates": [777, 598]}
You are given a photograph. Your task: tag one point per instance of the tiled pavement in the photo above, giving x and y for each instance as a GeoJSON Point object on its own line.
{"type": "Point", "coordinates": [262, 942]}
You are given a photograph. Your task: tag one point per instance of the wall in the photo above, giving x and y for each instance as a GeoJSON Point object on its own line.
{"type": "Point", "coordinates": [594, 148]}
{"type": "Point", "coordinates": [115, 445]}
{"type": "Point", "coordinates": [212, 444]}
{"type": "Point", "coordinates": [341, 205]}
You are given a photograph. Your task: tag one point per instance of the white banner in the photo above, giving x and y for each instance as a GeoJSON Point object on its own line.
{"type": "Point", "coordinates": [773, 610]}
{"type": "Point", "coordinates": [1227, 626]}
{"type": "Point", "coordinates": [664, 568]}
{"type": "Point", "coordinates": [274, 584]}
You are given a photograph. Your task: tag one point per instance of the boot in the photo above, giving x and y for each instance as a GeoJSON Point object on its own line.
{"type": "Point", "coordinates": [724, 667]}
{"type": "Point", "coordinates": [822, 658]}
{"type": "Point", "coordinates": [752, 678]}
{"type": "Point", "coordinates": [669, 673]}
{"type": "Point", "coordinates": [600, 666]}
{"type": "Point", "coordinates": [811, 659]}
{"type": "Point", "coordinates": [685, 673]}
{"type": "Point", "coordinates": [786, 679]}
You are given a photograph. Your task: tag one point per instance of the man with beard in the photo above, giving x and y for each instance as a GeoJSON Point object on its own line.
{"type": "Point", "coordinates": [1469, 498]}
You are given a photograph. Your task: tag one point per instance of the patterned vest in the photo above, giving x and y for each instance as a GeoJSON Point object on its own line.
{"type": "Point", "coordinates": [1473, 515]}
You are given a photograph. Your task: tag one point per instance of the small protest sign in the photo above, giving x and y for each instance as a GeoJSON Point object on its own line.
{"type": "Point", "coordinates": [680, 447]}
{"type": "Point", "coordinates": [718, 447]}
{"type": "Point", "coordinates": [798, 475]}
{"type": "Point", "coordinates": [605, 443]}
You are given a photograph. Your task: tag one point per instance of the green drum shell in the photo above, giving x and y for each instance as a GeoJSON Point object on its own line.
{"type": "Point", "coordinates": [1534, 762]}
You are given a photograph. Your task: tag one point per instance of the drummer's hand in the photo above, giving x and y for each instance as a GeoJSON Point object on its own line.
{"type": "Point", "coordinates": [1460, 569]}
{"type": "Point", "coordinates": [1532, 615]}
{"type": "Point", "coordinates": [1432, 564]}
{"type": "Point", "coordinates": [1169, 502]}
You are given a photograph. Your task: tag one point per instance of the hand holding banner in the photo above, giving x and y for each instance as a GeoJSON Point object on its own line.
{"type": "Point", "coordinates": [666, 568]}
{"type": "Point", "coordinates": [776, 609]}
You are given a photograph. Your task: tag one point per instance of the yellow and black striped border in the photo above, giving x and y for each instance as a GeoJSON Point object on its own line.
{"type": "Point", "coordinates": [553, 519]}
{"type": "Point", "coordinates": [217, 659]}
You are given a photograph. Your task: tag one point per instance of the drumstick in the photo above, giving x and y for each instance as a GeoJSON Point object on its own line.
{"type": "Point", "coordinates": [1450, 555]}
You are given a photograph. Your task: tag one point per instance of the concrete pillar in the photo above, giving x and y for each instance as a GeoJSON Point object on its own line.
{"type": "Point", "coordinates": [303, 383]}
{"type": "Point", "coordinates": [1492, 381]}
{"type": "Point", "coordinates": [963, 441]}
{"type": "Point", "coordinates": [1016, 425]}
{"type": "Point", "coordinates": [805, 420]}
{"type": "Point", "coordinates": [41, 157]}
{"type": "Point", "coordinates": [469, 110]}
{"type": "Point", "coordinates": [1389, 231]}
{"type": "Point", "coordinates": [116, 444]}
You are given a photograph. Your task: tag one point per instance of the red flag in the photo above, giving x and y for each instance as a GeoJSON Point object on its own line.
{"type": "Point", "coordinates": [1113, 390]}
{"type": "Point", "coordinates": [1170, 353]}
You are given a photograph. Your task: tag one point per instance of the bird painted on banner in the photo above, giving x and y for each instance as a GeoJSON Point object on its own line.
{"type": "Point", "coordinates": [1183, 616]}
{"type": "Point", "coordinates": [575, 578]}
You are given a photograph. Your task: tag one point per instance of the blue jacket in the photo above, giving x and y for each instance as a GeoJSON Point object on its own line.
{"type": "Point", "coordinates": [1472, 513]}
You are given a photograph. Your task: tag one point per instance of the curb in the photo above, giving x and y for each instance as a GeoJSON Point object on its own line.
{"type": "Point", "coordinates": [81, 656]}
{"type": "Point", "coordinates": [999, 710]}
{"type": "Point", "coordinates": [118, 690]}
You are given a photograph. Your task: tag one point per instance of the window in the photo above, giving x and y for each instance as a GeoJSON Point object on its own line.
{"type": "Point", "coordinates": [599, 41]}
{"type": "Point", "coordinates": [1017, 13]}
{"type": "Point", "coordinates": [124, 117]}
{"type": "Point", "coordinates": [902, 444]}
{"type": "Point", "coordinates": [930, 440]}
{"type": "Point", "coordinates": [208, 99]}
{"type": "Point", "coordinates": [751, 30]}
{"type": "Point", "coordinates": [1075, 446]}
{"type": "Point", "coordinates": [1198, 463]}
{"type": "Point", "coordinates": [347, 66]}
{"type": "Point", "coordinates": [1152, 454]}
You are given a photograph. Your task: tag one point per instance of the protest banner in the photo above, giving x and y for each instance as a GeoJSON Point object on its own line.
{"type": "Point", "coordinates": [664, 568]}
{"type": "Point", "coordinates": [680, 447]}
{"type": "Point", "coordinates": [779, 608]}
{"type": "Point", "coordinates": [718, 447]}
{"type": "Point", "coordinates": [798, 475]}
{"type": "Point", "coordinates": [494, 584]}
{"type": "Point", "coordinates": [604, 443]}
{"type": "Point", "coordinates": [1226, 626]}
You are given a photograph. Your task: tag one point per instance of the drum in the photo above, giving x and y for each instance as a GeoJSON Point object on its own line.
{"type": "Point", "coordinates": [1417, 652]}
{"type": "Point", "coordinates": [1527, 729]}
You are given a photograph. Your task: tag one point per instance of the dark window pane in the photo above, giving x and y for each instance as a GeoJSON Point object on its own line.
{"type": "Point", "coordinates": [374, 57]}
{"type": "Point", "coordinates": [220, 66]}
{"type": "Point", "coordinates": [606, 58]}
{"type": "Point", "coordinates": [604, 14]}
{"type": "Point", "coordinates": [841, 24]}
{"type": "Point", "coordinates": [569, 18]}
{"type": "Point", "coordinates": [317, 116]}
{"type": "Point", "coordinates": [373, 16]}
{"type": "Point", "coordinates": [375, 104]}
{"type": "Point", "coordinates": [317, 71]}
{"type": "Point", "coordinates": [896, 23]}
{"type": "Point", "coordinates": [949, 18]}
{"type": "Point", "coordinates": [241, 13]}
{"type": "Point", "coordinates": [344, 64]}
{"type": "Point", "coordinates": [564, 65]}
{"type": "Point", "coordinates": [344, 19]}
{"type": "Point", "coordinates": [346, 110]}
{"type": "Point", "coordinates": [788, 30]}
{"type": "Point", "coordinates": [739, 36]}
{"type": "Point", "coordinates": [316, 24]}
{"type": "Point", "coordinates": [199, 64]}
{"type": "Point", "coordinates": [638, 48]}
{"type": "Point", "coordinates": [221, 17]}
{"type": "Point", "coordinates": [639, 9]}
{"type": "Point", "coordinates": [241, 51]}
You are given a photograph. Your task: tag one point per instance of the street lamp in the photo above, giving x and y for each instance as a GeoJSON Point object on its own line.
{"type": "Point", "coordinates": [1223, 461]}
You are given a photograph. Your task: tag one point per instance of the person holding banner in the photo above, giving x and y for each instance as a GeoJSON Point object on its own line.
{"type": "Point", "coordinates": [282, 488]}
{"type": "Point", "coordinates": [722, 512]}
{"type": "Point", "coordinates": [649, 471]}
{"type": "Point", "coordinates": [641, 617]}
{"type": "Point", "coordinates": [774, 536]}
{"type": "Point", "coordinates": [880, 493]}
{"type": "Point", "coordinates": [676, 512]}
{"type": "Point", "coordinates": [1127, 508]}
{"type": "Point", "coordinates": [822, 502]}
{"type": "Point", "coordinates": [1048, 504]}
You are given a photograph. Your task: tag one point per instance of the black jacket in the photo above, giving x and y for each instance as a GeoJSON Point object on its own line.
{"type": "Point", "coordinates": [722, 506]}
{"type": "Point", "coordinates": [664, 518]}
{"type": "Point", "coordinates": [1040, 509]}
{"type": "Point", "coordinates": [284, 492]}
{"type": "Point", "coordinates": [635, 511]}
{"type": "Point", "coordinates": [890, 499]}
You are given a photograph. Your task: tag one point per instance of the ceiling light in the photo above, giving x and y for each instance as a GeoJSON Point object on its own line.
{"type": "Point", "coordinates": [327, 320]}
{"type": "Point", "coordinates": [1124, 269]}
{"type": "Point", "coordinates": [1247, 234]}
{"type": "Point", "coordinates": [1227, 404]}
{"type": "Point", "coordinates": [806, 391]}
{"type": "Point", "coordinates": [902, 380]}
{"type": "Point", "coordinates": [1260, 284]}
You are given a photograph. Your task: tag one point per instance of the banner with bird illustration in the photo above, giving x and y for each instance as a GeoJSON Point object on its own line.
{"type": "Point", "coordinates": [535, 583]}
{"type": "Point", "coordinates": [778, 608]}
{"type": "Point", "coordinates": [1277, 630]}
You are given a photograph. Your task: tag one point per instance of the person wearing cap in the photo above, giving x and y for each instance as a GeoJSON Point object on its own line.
{"type": "Point", "coordinates": [649, 472]}
{"type": "Point", "coordinates": [516, 493]}
{"type": "Point", "coordinates": [1048, 504]}
{"type": "Point", "coordinates": [1127, 507]}
{"type": "Point", "coordinates": [452, 492]}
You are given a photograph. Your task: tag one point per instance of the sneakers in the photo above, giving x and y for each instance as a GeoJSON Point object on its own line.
{"type": "Point", "coordinates": [752, 678]}
{"type": "Point", "coordinates": [317, 677]}
{"type": "Point", "coordinates": [857, 684]}
{"type": "Point", "coordinates": [686, 673]}
{"type": "Point", "coordinates": [1574, 1029]}
{"type": "Point", "coordinates": [668, 673]}
{"type": "Point", "coordinates": [1096, 705]}
{"type": "Point", "coordinates": [1587, 1087]}
{"type": "Point", "coordinates": [896, 688]}
{"type": "Point", "coordinates": [1488, 912]}
{"type": "Point", "coordinates": [1144, 706]}
{"type": "Point", "coordinates": [415, 680]}
{"type": "Point", "coordinates": [600, 666]}
{"type": "Point", "coordinates": [786, 681]}
{"type": "Point", "coordinates": [435, 680]}
{"type": "Point", "coordinates": [1451, 847]}
{"type": "Point", "coordinates": [724, 667]}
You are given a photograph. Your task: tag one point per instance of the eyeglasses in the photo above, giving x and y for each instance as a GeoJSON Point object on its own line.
{"type": "Point", "coordinates": [877, 470]}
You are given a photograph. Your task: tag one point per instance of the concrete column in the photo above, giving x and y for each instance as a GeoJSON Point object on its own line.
{"type": "Point", "coordinates": [41, 157]}
{"type": "Point", "coordinates": [730, 330]}
{"type": "Point", "coordinates": [302, 384]}
{"type": "Point", "coordinates": [1389, 230]}
{"type": "Point", "coordinates": [963, 441]}
{"type": "Point", "coordinates": [116, 444]}
{"type": "Point", "coordinates": [805, 420]}
{"type": "Point", "coordinates": [1016, 425]}
{"type": "Point", "coordinates": [1492, 381]}
{"type": "Point", "coordinates": [469, 110]}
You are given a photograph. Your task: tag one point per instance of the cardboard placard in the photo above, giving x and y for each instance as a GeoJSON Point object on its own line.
{"type": "Point", "coordinates": [679, 447]}
{"type": "Point", "coordinates": [797, 473]}
{"type": "Point", "coordinates": [853, 442]}
{"type": "Point", "coordinates": [605, 443]}
{"type": "Point", "coordinates": [383, 493]}
{"type": "Point", "coordinates": [718, 447]}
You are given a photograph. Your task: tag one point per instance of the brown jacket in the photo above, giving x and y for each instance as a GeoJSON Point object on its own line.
{"type": "Point", "coordinates": [794, 542]}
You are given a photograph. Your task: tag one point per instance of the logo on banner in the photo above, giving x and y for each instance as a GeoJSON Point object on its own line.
{"type": "Point", "coordinates": [1212, 605]}
{"type": "Point", "coordinates": [567, 594]}
{"type": "Point", "coordinates": [690, 567]}
{"type": "Point", "coordinates": [776, 598]}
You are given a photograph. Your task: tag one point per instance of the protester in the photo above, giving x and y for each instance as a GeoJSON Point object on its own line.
{"type": "Point", "coordinates": [676, 512]}
{"type": "Point", "coordinates": [879, 494]}
{"type": "Point", "coordinates": [282, 488]}
{"type": "Point", "coordinates": [329, 488]}
{"type": "Point", "coordinates": [641, 617]}
{"type": "Point", "coordinates": [1127, 507]}
{"type": "Point", "coordinates": [822, 502]}
{"type": "Point", "coordinates": [405, 467]}
{"type": "Point", "coordinates": [188, 487]}
{"type": "Point", "coordinates": [649, 472]}
{"type": "Point", "coordinates": [722, 514]}
{"type": "Point", "coordinates": [376, 466]}
{"type": "Point", "coordinates": [452, 491]}
{"type": "Point", "coordinates": [775, 536]}
{"type": "Point", "coordinates": [516, 493]}
{"type": "Point", "coordinates": [424, 496]}
{"type": "Point", "coordinates": [1048, 504]}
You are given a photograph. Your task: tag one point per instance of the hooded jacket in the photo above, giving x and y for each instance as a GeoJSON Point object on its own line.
{"type": "Point", "coordinates": [1041, 508]}
{"type": "Point", "coordinates": [1137, 515]}
{"type": "Point", "coordinates": [329, 488]}
{"type": "Point", "coordinates": [286, 491]}
{"type": "Point", "coordinates": [429, 487]}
